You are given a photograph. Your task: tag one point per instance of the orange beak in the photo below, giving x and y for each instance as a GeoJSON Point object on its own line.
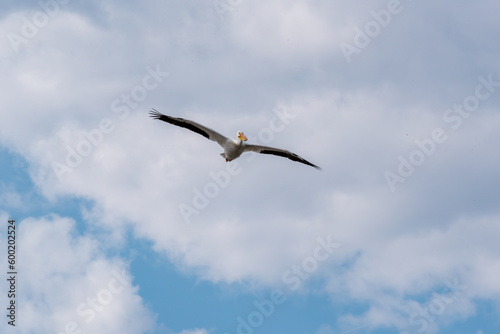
{"type": "Point", "coordinates": [242, 136]}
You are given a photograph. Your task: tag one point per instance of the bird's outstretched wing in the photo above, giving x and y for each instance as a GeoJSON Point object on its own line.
{"type": "Point", "coordinates": [278, 152]}
{"type": "Point", "coordinates": [193, 126]}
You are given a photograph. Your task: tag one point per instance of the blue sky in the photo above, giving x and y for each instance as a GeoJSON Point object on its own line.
{"type": "Point", "coordinates": [130, 225]}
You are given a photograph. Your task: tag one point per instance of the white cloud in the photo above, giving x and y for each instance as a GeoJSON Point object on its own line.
{"type": "Point", "coordinates": [66, 282]}
{"type": "Point", "coordinates": [428, 264]}
{"type": "Point", "coordinates": [284, 30]}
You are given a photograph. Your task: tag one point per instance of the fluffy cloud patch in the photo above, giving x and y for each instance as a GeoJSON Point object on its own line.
{"type": "Point", "coordinates": [67, 283]}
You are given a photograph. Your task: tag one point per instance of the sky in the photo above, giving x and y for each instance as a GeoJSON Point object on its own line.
{"type": "Point", "coordinates": [125, 224]}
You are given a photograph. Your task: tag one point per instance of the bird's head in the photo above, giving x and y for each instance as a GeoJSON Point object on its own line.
{"type": "Point", "coordinates": [242, 136]}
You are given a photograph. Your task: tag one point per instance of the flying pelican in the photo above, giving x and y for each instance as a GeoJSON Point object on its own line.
{"type": "Point", "coordinates": [233, 148]}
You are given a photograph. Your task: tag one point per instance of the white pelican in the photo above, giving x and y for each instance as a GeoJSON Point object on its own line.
{"type": "Point", "coordinates": [233, 148]}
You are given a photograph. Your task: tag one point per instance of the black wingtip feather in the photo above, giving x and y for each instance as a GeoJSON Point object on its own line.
{"type": "Point", "coordinates": [291, 156]}
{"type": "Point", "coordinates": [178, 122]}
{"type": "Point", "coordinates": [155, 113]}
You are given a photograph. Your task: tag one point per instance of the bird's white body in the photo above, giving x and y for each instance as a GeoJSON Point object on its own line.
{"type": "Point", "coordinates": [233, 149]}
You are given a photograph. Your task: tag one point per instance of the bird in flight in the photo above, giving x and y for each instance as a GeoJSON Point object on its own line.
{"type": "Point", "coordinates": [233, 148]}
